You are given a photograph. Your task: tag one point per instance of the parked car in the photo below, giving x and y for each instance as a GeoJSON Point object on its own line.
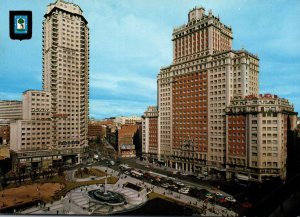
{"type": "Point", "coordinates": [165, 185]}
{"type": "Point", "coordinates": [173, 187]}
{"type": "Point", "coordinates": [179, 184]}
{"type": "Point", "coordinates": [209, 195]}
{"type": "Point", "coordinates": [230, 199]}
{"type": "Point", "coordinates": [183, 190]}
{"type": "Point", "coordinates": [219, 195]}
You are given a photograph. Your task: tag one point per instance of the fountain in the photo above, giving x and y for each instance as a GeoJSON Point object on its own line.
{"type": "Point", "coordinates": [103, 196]}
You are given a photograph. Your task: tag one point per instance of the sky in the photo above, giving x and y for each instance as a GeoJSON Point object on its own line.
{"type": "Point", "coordinates": [130, 40]}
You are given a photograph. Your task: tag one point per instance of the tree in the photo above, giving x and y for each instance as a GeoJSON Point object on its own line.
{"type": "Point", "coordinates": [79, 172]}
{"type": "Point", "coordinates": [85, 170]}
{"type": "Point", "coordinates": [21, 21]}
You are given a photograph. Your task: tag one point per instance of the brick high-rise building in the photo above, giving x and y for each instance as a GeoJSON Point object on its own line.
{"type": "Point", "coordinates": [195, 89]}
{"type": "Point", "coordinates": [54, 127]}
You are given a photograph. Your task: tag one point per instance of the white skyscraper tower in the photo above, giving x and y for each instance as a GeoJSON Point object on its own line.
{"type": "Point", "coordinates": [66, 73]}
{"type": "Point", "coordinates": [54, 124]}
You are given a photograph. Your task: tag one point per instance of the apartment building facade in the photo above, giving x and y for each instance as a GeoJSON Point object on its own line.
{"type": "Point", "coordinates": [208, 100]}
{"type": "Point", "coordinates": [54, 126]}
{"type": "Point", "coordinates": [257, 137]}
{"type": "Point", "coordinates": [128, 140]}
{"type": "Point", "coordinates": [4, 134]}
{"type": "Point", "coordinates": [150, 146]}
{"type": "Point", "coordinates": [128, 120]}
{"type": "Point", "coordinates": [10, 109]}
{"type": "Point", "coordinates": [195, 89]}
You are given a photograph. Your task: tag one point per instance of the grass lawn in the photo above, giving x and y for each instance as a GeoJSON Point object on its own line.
{"type": "Point", "coordinates": [89, 172]}
{"type": "Point", "coordinates": [28, 193]}
{"type": "Point", "coordinates": [45, 190]}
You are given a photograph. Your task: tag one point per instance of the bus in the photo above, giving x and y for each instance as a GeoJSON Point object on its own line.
{"type": "Point", "coordinates": [136, 174]}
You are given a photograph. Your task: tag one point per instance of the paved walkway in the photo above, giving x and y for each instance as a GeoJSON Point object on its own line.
{"type": "Point", "coordinates": [78, 202]}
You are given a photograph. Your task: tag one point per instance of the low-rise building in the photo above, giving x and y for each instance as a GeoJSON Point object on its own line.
{"type": "Point", "coordinates": [130, 120]}
{"type": "Point", "coordinates": [150, 146]}
{"type": "Point", "coordinates": [4, 134]}
{"type": "Point", "coordinates": [10, 109]}
{"type": "Point", "coordinates": [256, 137]}
{"type": "Point", "coordinates": [112, 136]}
{"type": "Point", "coordinates": [95, 131]}
{"type": "Point", "coordinates": [128, 139]}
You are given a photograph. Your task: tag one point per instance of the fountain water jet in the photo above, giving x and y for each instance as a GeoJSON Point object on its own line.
{"type": "Point", "coordinates": [106, 197]}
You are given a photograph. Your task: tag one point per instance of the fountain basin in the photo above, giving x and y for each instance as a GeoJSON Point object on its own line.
{"type": "Point", "coordinates": [107, 197]}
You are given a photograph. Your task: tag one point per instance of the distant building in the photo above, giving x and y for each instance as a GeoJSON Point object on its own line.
{"type": "Point", "coordinates": [256, 137]}
{"type": "Point", "coordinates": [4, 134]}
{"type": "Point", "coordinates": [150, 146]}
{"type": "Point", "coordinates": [130, 120]}
{"type": "Point", "coordinates": [106, 121]}
{"type": "Point", "coordinates": [10, 109]}
{"type": "Point", "coordinates": [112, 136]}
{"type": "Point", "coordinates": [128, 139]}
{"type": "Point", "coordinates": [4, 152]}
{"type": "Point", "coordinates": [95, 131]}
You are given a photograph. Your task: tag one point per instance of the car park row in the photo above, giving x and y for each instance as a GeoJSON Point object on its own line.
{"type": "Point", "coordinates": [170, 184]}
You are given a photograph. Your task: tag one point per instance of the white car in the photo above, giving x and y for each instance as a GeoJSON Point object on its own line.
{"type": "Point", "coordinates": [230, 199]}
{"type": "Point", "coordinates": [184, 191]}
{"type": "Point", "coordinates": [165, 185]}
{"type": "Point", "coordinates": [179, 183]}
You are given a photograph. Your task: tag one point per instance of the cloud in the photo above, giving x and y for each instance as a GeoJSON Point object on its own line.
{"type": "Point", "coordinates": [128, 38]}
{"type": "Point", "coordinates": [131, 39]}
{"type": "Point", "coordinates": [111, 108]}
{"type": "Point", "coordinates": [123, 86]}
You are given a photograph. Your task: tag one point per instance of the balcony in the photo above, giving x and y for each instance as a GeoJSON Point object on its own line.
{"type": "Point", "coordinates": [54, 36]}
